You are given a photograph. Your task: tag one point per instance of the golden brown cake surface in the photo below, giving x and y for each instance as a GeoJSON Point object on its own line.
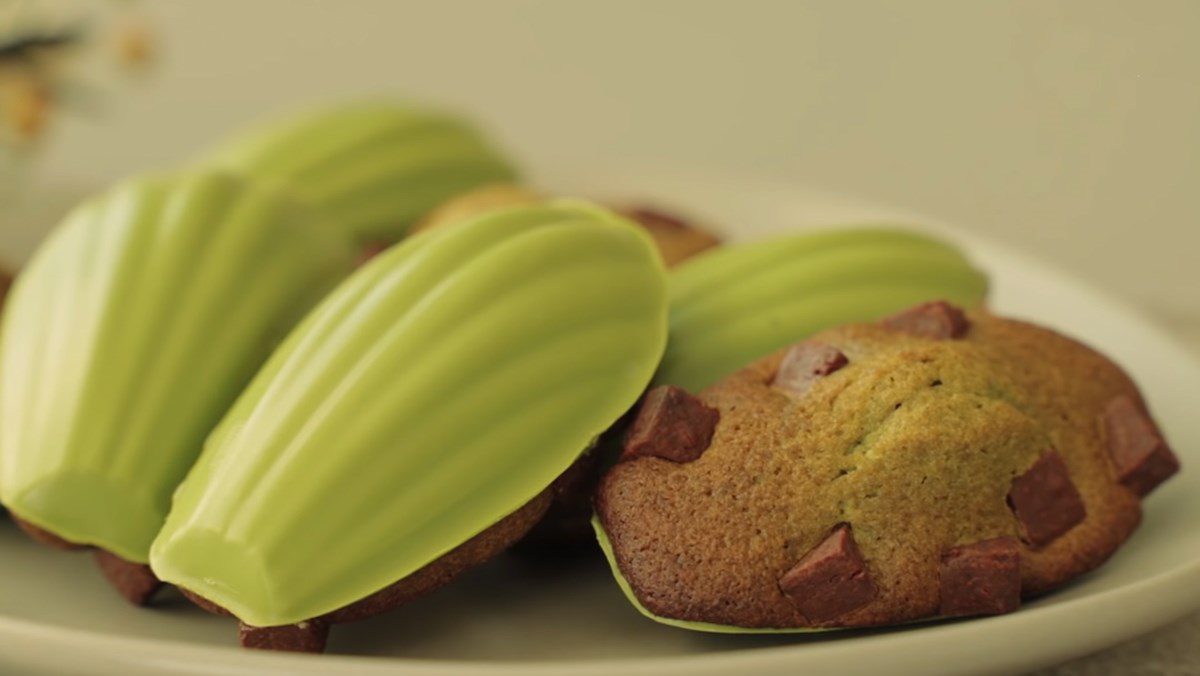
{"type": "Point", "coordinates": [905, 480]}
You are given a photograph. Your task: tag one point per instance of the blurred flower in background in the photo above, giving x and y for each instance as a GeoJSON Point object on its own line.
{"type": "Point", "coordinates": [51, 54]}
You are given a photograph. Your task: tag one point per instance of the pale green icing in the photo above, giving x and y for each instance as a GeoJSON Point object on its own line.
{"type": "Point", "coordinates": [369, 169]}
{"type": "Point", "coordinates": [131, 333]}
{"type": "Point", "coordinates": [437, 390]}
{"type": "Point", "coordinates": [738, 303]}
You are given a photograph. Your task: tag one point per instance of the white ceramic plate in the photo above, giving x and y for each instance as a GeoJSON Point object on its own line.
{"type": "Point", "coordinates": [515, 617]}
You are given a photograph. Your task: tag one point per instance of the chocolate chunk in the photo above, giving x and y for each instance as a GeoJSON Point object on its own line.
{"type": "Point", "coordinates": [45, 537]}
{"type": "Point", "coordinates": [671, 424]}
{"type": "Point", "coordinates": [1045, 501]}
{"type": "Point", "coordinates": [938, 320]}
{"type": "Point", "coordinates": [134, 581]}
{"type": "Point", "coordinates": [1137, 447]}
{"type": "Point", "coordinates": [369, 251]}
{"type": "Point", "coordinates": [306, 637]}
{"type": "Point", "coordinates": [831, 580]}
{"type": "Point", "coordinates": [805, 363]}
{"type": "Point", "coordinates": [983, 578]}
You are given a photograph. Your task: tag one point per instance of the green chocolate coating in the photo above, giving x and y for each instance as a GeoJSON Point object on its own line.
{"type": "Point", "coordinates": [131, 333]}
{"type": "Point", "coordinates": [370, 170]}
{"type": "Point", "coordinates": [439, 389]}
{"type": "Point", "coordinates": [739, 303]}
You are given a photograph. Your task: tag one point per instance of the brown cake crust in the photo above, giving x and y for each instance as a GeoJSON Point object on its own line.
{"type": "Point", "coordinates": [309, 636]}
{"type": "Point", "coordinates": [471, 554]}
{"type": "Point", "coordinates": [133, 581]}
{"type": "Point", "coordinates": [915, 443]}
{"type": "Point", "coordinates": [44, 537]}
{"type": "Point", "coordinates": [567, 527]}
{"type": "Point", "coordinates": [677, 239]}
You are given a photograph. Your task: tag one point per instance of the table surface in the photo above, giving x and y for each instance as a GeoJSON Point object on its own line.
{"type": "Point", "coordinates": [1170, 651]}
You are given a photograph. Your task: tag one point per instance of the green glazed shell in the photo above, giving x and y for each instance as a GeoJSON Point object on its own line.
{"type": "Point", "coordinates": [370, 169]}
{"type": "Point", "coordinates": [131, 333]}
{"type": "Point", "coordinates": [435, 392]}
{"type": "Point", "coordinates": [739, 303]}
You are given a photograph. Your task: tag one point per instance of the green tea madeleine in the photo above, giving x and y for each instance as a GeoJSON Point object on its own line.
{"type": "Point", "coordinates": [434, 395]}
{"type": "Point", "coordinates": [734, 304]}
{"type": "Point", "coordinates": [131, 333]}
{"type": "Point", "coordinates": [370, 169]}
{"type": "Point", "coordinates": [933, 464]}
{"type": "Point", "coordinates": [738, 303]}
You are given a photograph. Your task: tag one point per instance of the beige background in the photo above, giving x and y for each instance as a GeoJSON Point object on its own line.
{"type": "Point", "coordinates": [1069, 128]}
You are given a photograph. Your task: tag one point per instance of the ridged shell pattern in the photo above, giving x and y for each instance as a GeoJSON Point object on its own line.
{"type": "Point", "coordinates": [371, 169]}
{"type": "Point", "coordinates": [742, 302]}
{"type": "Point", "coordinates": [438, 390]}
{"type": "Point", "coordinates": [131, 333]}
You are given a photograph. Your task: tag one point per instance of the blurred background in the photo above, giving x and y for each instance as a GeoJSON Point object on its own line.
{"type": "Point", "coordinates": [1067, 128]}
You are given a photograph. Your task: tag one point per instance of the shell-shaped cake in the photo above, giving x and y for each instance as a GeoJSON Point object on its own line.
{"type": "Point", "coordinates": [129, 336]}
{"type": "Point", "coordinates": [371, 169]}
{"type": "Point", "coordinates": [935, 464]}
{"type": "Point", "coordinates": [741, 302]}
{"type": "Point", "coordinates": [438, 390]}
